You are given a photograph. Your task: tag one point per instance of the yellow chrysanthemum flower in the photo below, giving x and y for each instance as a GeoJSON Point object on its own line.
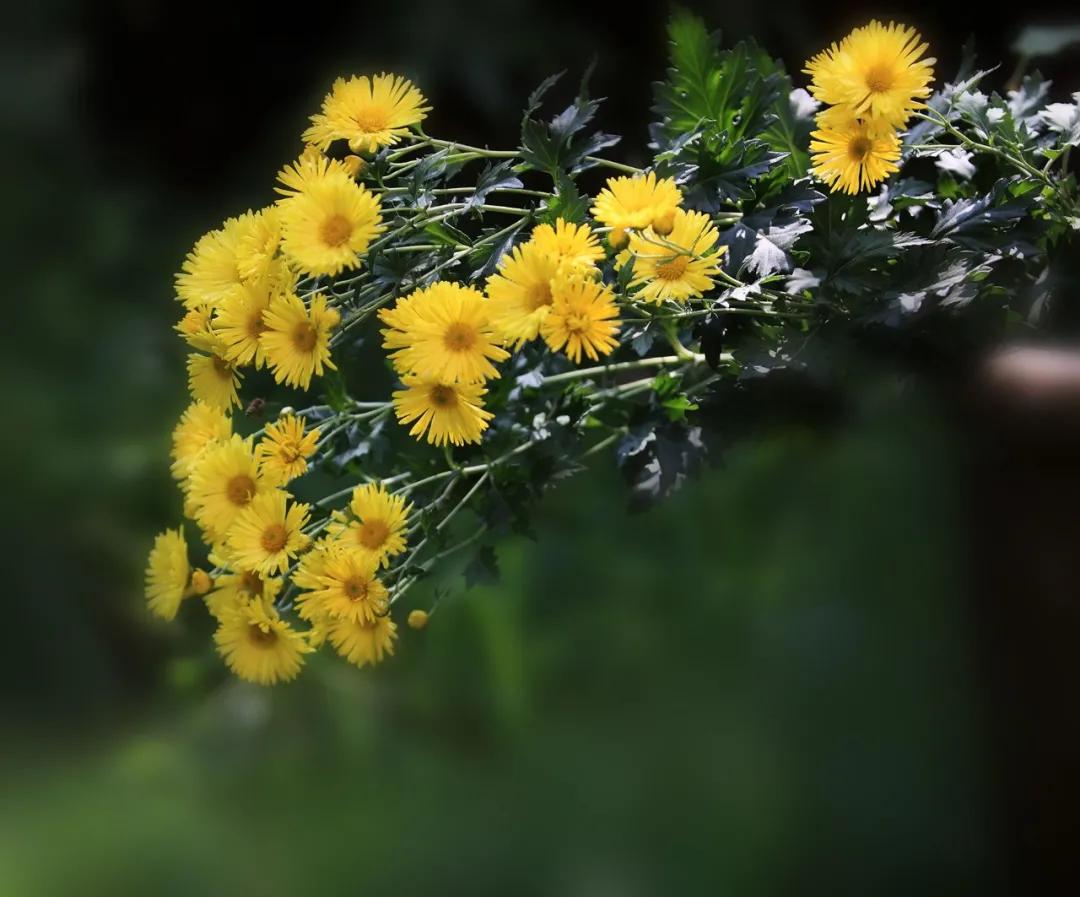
{"type": "Point", "coordinates": [852, 155]}
{"type": "Point", "coordinates": [877, 71]}
{"type": "Point", "coordinates": [258, 645]}
{"type": "Point", "coordinates": [200, 425]}
{"type": "Point", "coordinates": [213, 379]}
{"type": "Point", "coordinates": [573, 245]}
{"type": "Point", "coordinates": [349, 589]}
{"type": "Point", "coordinates": [223, 481]}
{"type": "Point", "coordinates": [297, 339]}
{"type": "Point", "coordinates": [367, 112]}
{"type": "Point", "coordinates": [363, 642]}
{"type": "Point", "coordinates": [256, 249]}
{"type": "Point", "coordinates": [312, 165]}
{"type": "Point", "coordinates": [519, 294]}
{"type": "Point", "coordinates": [329, 224]}
{"type": "Point", "coordinates": [238, 323]}
{"type": "Point", "coordinates": [443, 331]}
{"type": "Point", "coordinates": [234, 589]}
{"type": "Point", "coordinates": [284, 449]}
{"type": "Point", "coordinates": [313, 565]}
{"type": "Point", "coordinates": [167, 573]}
{"type": "Point", "coordinates": [268, 533]}
{"type": "Point", "coordinates": [378, 528]}
{"type": "Point", "coordinates": [446, 412]}
{"type": "Point", "coordinates": [195, 328]}
{"type": "Point", "coordinates": [211, 268]}
{"type": "Point", "coordinates": [637, 202]}
{"type": "Point", "coordinates": [583, 318]}
{"type": "Point", "coordinates": [680, 265]}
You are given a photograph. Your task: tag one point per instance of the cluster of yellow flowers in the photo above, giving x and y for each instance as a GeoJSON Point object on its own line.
{"type": "Point", "coordinates": [258, 293]}
{"type": "Point", "coordinates": [871, 82]}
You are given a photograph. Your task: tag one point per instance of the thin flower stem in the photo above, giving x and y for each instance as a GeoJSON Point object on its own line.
{"type": "Point", "coordinates": [617, 367]}
{"type": "Point", "coordinates": [617, 166]}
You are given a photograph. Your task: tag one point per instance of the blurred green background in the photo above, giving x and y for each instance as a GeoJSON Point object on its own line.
{"type": "Point", "coordinates": [767, 685]}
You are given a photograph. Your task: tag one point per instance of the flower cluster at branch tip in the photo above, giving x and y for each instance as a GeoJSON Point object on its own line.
{"type": "Point", "coordinates": [871, 83]}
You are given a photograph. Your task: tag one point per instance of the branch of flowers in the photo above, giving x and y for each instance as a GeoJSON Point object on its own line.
{"type": "Point", "coordinates": [967, 141]}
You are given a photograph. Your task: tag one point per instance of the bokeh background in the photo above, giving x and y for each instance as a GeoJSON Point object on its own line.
{"type": "Point", "coordinates": [806, 673]}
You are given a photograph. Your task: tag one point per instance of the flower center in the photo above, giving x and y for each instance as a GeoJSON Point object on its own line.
{"type": "Point", "coordinates": [259, 637]}
{"type": "Point", "coordinates": [304, 336]}
{"type": "Point", "coordinates": [251, 583]}
{"type": "Point", "coordinates": [674, 268]}
{"type": "Point", "coordinates": [859, 148]}
{"type": "Point", "coordinates": [223, 369]}
{"type": "Point", "coordinates": [539, 295]}
{"type": "Point", "coordinates": [240, 489]}
{"type": "Point", "coordinates": [372, 534]}
{"type": "Point", "coordinates": [879, 79]}
{"type": "Point", "coordinates": [443, 396]}
{"type": "Point", "coordinates": [336, 230]}
{"type": "Point", "coordinates": [577, 323]}
{"type": "Point", "coordinates": [255, 325]}
{"type": "Point", "coordinates": [289, 452]}
{"type": "Point", "coordinates": [371, 119]}
{"type": "Point", "coordinates": [459, 337]}
{"type": "Point", "coordinates": [274, 538]}
{"type": "Point", "coordinates": [356, 589]}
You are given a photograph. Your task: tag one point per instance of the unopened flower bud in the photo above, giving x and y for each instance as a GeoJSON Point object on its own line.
{"type": "Point", "coordinates": [617, 237]}
{"type": "Point", "coordinates": [418, 619]}
{"type": "Point", "coordinates": [353, 164]}
{"type": "Point", "coordinates": [663, 224]}
{"type": "Point", "coordinates": [201, 582]}
{"type": "Point", "coordinates": [333, 318]}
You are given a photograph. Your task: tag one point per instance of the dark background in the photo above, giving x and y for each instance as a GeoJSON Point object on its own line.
{"type": "Point", "coordinates": [800, 675]}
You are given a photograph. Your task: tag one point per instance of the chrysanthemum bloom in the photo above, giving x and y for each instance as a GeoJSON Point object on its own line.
{"type": "Point", "coordinates": [877, 71]}
{"type": "Point", "coordinates": [238, 323]}
{"type": "Point", "coordinates": [167, 573]}
{"type": "Point", "coordinates": [260, 237]}
{"type": "Point", "coordinates": [348, 588]}
{"type": "Point", "coordinates": [573, 245]}
{"type": "Point", "coordinates": [284, 449]}
{"type": "Point", "coordinates": [223, 481]}
{"type": "Point", "coordinates": [312, 565]}
{"type": "Point", "coordinates": [233, 589]}
{"type": "Point", "coordinates": [200, 425]}
{"type": "Point", "coordinates": [363, 642]}
{"type": "Point", "coordinates": [637, 202]}
{"type": "Point", "coordinates": [330, 224]}
{"type": "Point", "coordinates": [268, 533]}
{"type": "Point", "coordinates": [519, 295]}
{"type": "Point", "coordinates": [680, 265]}
{"type": "Point", "coordinates": [194, 327]}
{"type": "Point", "coordinates": [297, 339]}
{"type": "Point", "coordinates": [444, 332]}
{"type": "Point", "coordinates": [367, 112]}
{"type": "Point", "coordinates": [852, 155]}
{"type": "Point", "coordinates": [583, 318]}
{"type": "Point", "coordinates": [446, 412]}
{"type": "Point", "coordinates": [378, 530]}
{"type": "Point", "coordinates": [211, 269]}
{"type": "Point", "coordinates": [258, 645]}
{"type": "Point", "coordinates": [311, 165]}
{"type": "Point", "coordinates": [213, 379]}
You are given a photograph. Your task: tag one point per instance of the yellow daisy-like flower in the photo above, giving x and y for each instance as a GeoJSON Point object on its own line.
{"type": "Point", "coordinates": [256, 249]}
{"type": "Point", "coordinates": [258, 645]}
{"type": "Point", "coordinates": [312, 165]}
{"type": "Point", "coordinates": [573, 245]}
{"type": "Point", "coordinates": [167, 573]}
{"type": "Point", "coordinates": [223, 482]}
{"type": "Point", "coordinates": [444, 331]}
{"type": "Point", "coordinates": [877, 70]}
{"type": "Point", "coordinates": [519, 294]}
{"type": "Point", "coordinates": [195, 328]}
{"type": "Point", "coordinates": [238, 323]}
{"type": "Point", "coordinates": [268, 533]}
{"type": "Point", "coordinates": [297, 339]}
{"type": "Point", "coordinates": [363, 642]}
{"type": "Point", "coordinates": [213, 379]}
{"type": "Point", "coordinates": [378, 530]}
{"type": "Point", "coordinates": [367, 112]}
{"type": "Point", "coordinates": [852, 155]}
{"type": "Point", "coordinates": [200, 425]}
{"type": "Point", "coordinates": [637, 202]}
{"type": "Point", "coordinates": [445, 411]}
{"type": "Point", "coordinates": [234, 589]}
{"type": "Point", "coordinates": [348, 588]}
{"type": "Point", "coordinates": [329, 224]}
{"type": "Point", "coordinates": [211, 268]}
{"type": "Point", "coordinates": [680, 265]}
{"type": "Point", "coordinates": [284, 449]}
{"type": "Point", "coordinates": [313, 565]}
{"type": "Point", "coordinates": [583, 318]}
